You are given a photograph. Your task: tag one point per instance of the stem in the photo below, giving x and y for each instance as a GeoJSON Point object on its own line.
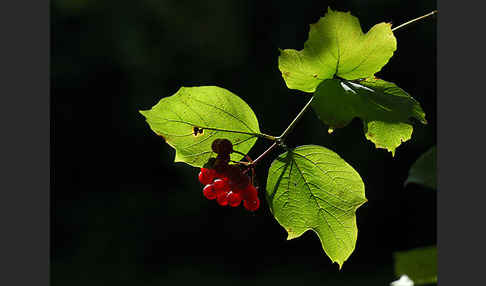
{"type": "Point", "coordinates": [275, 144]}
{"type": "Point", "coordinates": [414, 20]}
{"type": "Point", "coordinates": [279, 140]}
{"type": "Point", "coordinates": [296, 119]}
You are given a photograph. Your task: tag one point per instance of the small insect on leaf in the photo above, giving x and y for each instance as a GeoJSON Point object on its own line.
{"type": "Point", "coordinates": [196, 131]}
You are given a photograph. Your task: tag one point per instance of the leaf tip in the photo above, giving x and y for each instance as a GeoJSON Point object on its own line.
{"type": "Point", "coordinates": [291, 234]}
{"type": "Point", "coordinates": [144, 112]}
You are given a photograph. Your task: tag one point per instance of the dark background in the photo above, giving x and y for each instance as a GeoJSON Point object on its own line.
{"type": "Point", "coordinates": [122, 213]}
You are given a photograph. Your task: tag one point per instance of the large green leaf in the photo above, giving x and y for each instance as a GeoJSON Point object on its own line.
{"type": "Point", "coordinates": [385, 109]}
{"type": "Point", "coordinates": [419, 264]}
{"type": "Point", "coordinates": [337, 47]}
{"type": "Point", "coordinates": [424, 170]}
{"type": "Point", "coordinates": [312, 188]}
{"type": "Point", "coordinates": [179, 119]}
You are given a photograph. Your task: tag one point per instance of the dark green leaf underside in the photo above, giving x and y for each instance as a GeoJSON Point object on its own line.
{"type": "Point", "coordinates": [386, 109]}
{"type": "Point", "coordinates": [419, 264]}
{"type": "Point", "coordinates": [424, 170]}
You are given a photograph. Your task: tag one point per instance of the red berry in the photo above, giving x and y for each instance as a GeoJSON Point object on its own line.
{"type": "Point", "coordinates": [251, 205]}
{"type": "Point", "coordinates": [206, 176]}
{"type": "Point", "coordinates": [234, 199]}
{"type": "Point", "coordinates": [222, 198]}
{"type": "Point", "coordinates": [209, 192]}
{"type": "Point", "coordinates": [221, 185]}
{"type": "Point", "coordinates": [219, 175]}
{"type": "Point", "coordinates": [241, 182]}
{"type": "Point", "coordinates": [250, 192]}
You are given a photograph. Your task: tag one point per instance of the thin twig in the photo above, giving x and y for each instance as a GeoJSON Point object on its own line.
{"type": "Point", "coordinates": [296, 119]}
{"type": "Point", "coordinates": [414, 20]}
{"type": "Point", "coordinates": [275, 144]}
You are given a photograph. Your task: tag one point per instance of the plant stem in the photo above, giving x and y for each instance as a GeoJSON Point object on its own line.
{"type": "Point", "coordinates": [269, 149]}
{"type": "Point", "coordinates": [296, 119]}
{"type": "Point", "coordinates": [414, 20]}
{"type": "Point", "coordinates": [279, 140]}
{"type": "Point", "coordinates": [266, 136]}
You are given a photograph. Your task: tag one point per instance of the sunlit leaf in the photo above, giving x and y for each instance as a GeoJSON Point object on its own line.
{"type": "Point", "coordinates": [186, 118]}
{"type": "Point", "coordinates": [337, 47]}
{"type": "Point", "coordinates": [312, 188]}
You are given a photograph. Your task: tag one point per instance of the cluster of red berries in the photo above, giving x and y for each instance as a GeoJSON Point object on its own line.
{"type": "Point", "coordinates": [227, 183]}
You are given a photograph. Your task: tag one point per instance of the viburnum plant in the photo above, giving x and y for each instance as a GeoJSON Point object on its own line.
{"type": "Point", "coordinates": [308, 187]}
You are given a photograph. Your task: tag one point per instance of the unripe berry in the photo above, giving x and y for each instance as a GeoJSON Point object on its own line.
{"type": "Point", "coordinates": [221, 169]}
{"type": "Point", "coordinates": [221, 164]}
{"type": "Point", "coordinates": [222, 146]}
{"type": "Point", "coordinates": [233, 172]}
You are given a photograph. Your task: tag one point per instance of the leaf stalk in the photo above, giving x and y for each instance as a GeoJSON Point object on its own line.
{"type": "Point", "coordinates": [414, 20]}
{"type": "Point", "coordinates": [294, 122]}
{"type": "Point", "coordinates": [269, 149]}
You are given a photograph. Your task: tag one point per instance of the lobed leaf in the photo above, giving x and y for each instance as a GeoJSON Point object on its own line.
{"type": "Point", "coordinates": [312, 188]}
{"type": "Point", "coordinates": [385, 109]}
{"type": "Point", "coordinates": [337, 47]}
{"type": "Point", "coordinates": [186, 118]}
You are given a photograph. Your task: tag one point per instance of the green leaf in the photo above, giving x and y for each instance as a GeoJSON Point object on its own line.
{"type": "Point", "coordinates": [424, 170]}
{"type": "Point", "coordinates": [387, 135]}
{"type": "Point", "coordinates": [312, 188]}
{"type": "Point", "coordinates": [205, 107]}
{"type": "Point", "coordinates": [419, 264]}
{"type": "Point", "coordinates": [385, 109]}
{"type": "Point", "coordinates": [337, 47]}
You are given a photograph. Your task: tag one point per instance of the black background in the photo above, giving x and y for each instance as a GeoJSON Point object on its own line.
{"type": "Point", "coordinates": [122, 213]}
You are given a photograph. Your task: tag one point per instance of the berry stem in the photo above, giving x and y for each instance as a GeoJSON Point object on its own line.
{"type": "Point", "coordinates": [414, 20]}
{"type": "Point", "coordinates": [294, 122]}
